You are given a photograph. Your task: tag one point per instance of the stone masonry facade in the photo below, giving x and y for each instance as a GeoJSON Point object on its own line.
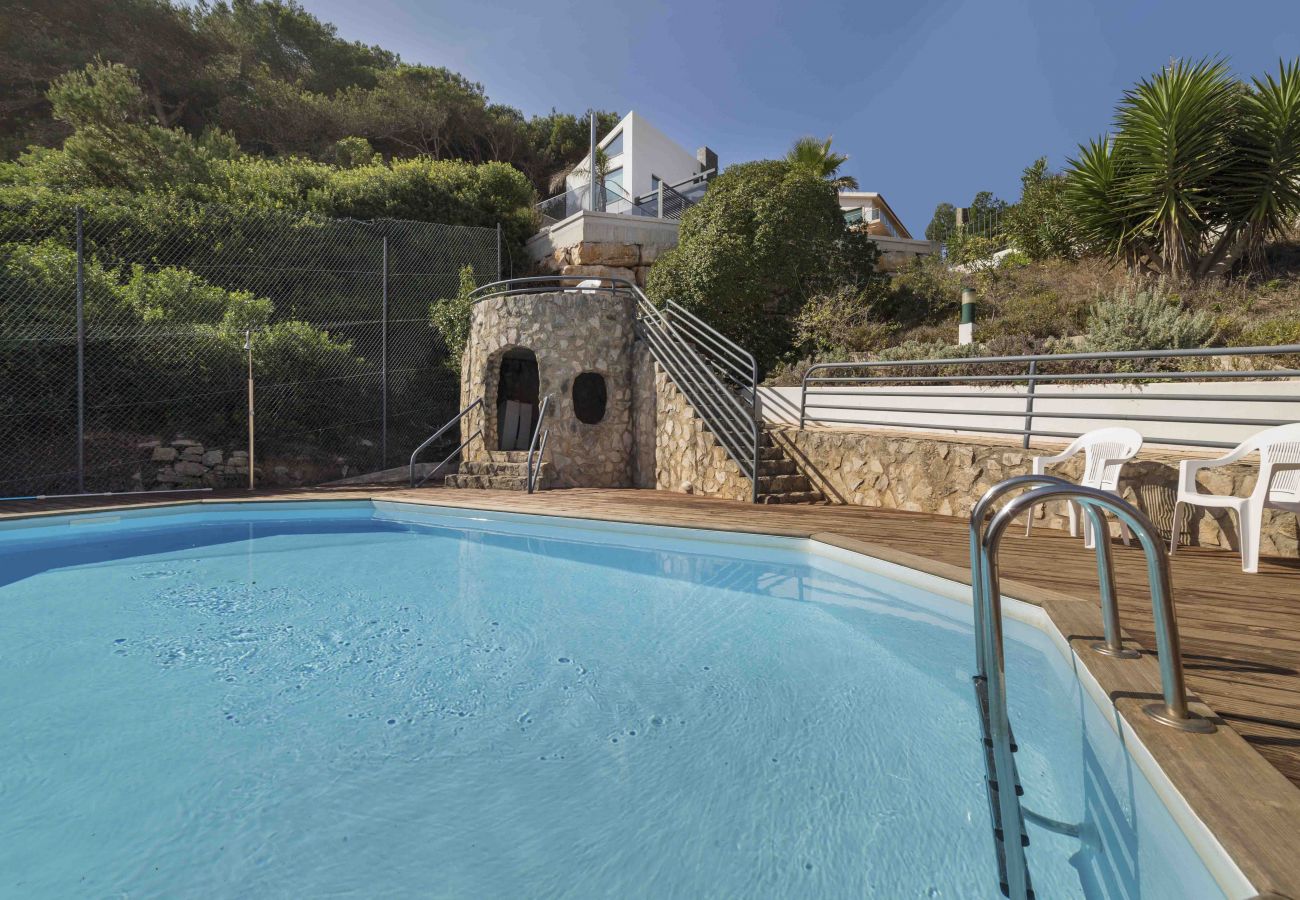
{"type": "Point", "coordinates": [570, 333]}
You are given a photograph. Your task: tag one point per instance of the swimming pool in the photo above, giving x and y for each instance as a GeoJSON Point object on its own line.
{"type": "Point", "coordinates": [297, 699]}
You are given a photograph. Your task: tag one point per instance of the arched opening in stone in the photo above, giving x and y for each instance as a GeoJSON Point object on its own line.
{"type": "Point", "coordinates": [517, 389]}
{"type": "Point", "coordinates": [589, 397]}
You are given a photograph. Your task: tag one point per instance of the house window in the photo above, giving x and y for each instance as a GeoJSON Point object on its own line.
{"type": "Point", "coordinates": [614, 180]}
{"type": "Point", "coordinates": [654, 183]}
{"type": "Point", "coordinates": [589, 398]}
{"type": "Point", "coordinates": [615, 146]}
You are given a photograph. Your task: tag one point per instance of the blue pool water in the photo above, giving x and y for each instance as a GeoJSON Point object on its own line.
{"type": "Point", "coordinates": [346, 700]}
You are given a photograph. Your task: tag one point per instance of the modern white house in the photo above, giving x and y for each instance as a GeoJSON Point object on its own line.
{"type": "Point", "coordinates": [641, 159]}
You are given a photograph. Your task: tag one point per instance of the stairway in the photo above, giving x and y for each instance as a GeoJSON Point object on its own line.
{"type": "Point", "coordinates": [503, 470]}
{"type": "Point", "coordinates": [779, 478]}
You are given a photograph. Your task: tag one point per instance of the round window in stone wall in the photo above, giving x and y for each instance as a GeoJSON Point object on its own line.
{"type": "Point", "coordinates": [589, 397]}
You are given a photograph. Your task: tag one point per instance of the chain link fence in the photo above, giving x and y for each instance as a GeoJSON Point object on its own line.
{"type": "Point", "coordinates": [129, 335]}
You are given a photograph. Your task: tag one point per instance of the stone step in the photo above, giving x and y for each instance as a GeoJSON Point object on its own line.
{"type": "Point", "coordinates": [784, 484]}
{"type": "Point", "coordinates": [771, 466]}
{"type": "Point", "coordinates": [770, 452]}
{"type": "Point", "coordinates": [479, 467]}
{"type": "Point", "coordinates": [796, 497]}
{"type": "Point", "coordinates": [487, 482]}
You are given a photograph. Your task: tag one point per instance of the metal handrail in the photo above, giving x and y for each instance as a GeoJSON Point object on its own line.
{"type": "Point", "coordinates": [694, 354]}
{"type": "Point", "coordinates": [824, 381]}
{"type": "Point", "coordinates": [990, 661]}
{"type": "Point", "coordinates": [439, 433]}
{"type": "Point", "coordinates": [1173, 711]}
{"type": "Point", "coordinates": [532, 444]}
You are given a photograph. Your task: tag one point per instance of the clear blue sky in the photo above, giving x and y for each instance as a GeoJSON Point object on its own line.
{"type": "Point", "coordinates": [932, 101]}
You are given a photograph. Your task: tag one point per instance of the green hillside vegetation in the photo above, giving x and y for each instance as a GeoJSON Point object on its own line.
{"type": "Point", "coordinates": [1179, 229]}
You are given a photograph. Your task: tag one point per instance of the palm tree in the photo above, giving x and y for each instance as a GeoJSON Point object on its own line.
{"type": "Point", "coordinates": [1201, 170]}
{"type": "Point", "coordinates": [815, 156]}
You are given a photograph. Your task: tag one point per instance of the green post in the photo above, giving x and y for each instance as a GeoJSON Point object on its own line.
{"type": "Point", "coordinates": [966, 329]}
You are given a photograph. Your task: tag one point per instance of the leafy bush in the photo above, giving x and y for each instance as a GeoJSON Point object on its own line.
{"type": "Point", "coordinates": [165, 328]}
{"type": "Point", "coordinates": [1270, 333]}
{"type": "Point", "coordinates": [842, 321]}
{"type": "Point", "coordinates": [765, 237]}
{"type": "Point", "coordinates": [451, 317]}
{"type": "Point", "coordinates": [1145, 320]}
{"type": "Point", "coordinates": [1038, 315]}
{"type": "Point", "coordinates": [1040, 225]}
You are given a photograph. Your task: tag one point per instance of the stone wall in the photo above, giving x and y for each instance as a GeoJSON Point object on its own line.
{"type": "Point", "coordinates": [570, 333]}
{"type": "Point", "coordinates": [184, 463]}
{"type": "Point", "coordinates": [675, 452]}
{"type": "Point", "coordinates": [929, 473]}
{"type": "Point", "coordinates": [602, 244]}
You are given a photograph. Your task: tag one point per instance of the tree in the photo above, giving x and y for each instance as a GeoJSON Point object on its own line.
{"type": "Point", "coordinates": [942, 224]}
{"type": "Point", "coordinates": [765, 238]}
{"type": "Point", "coordinates": [1200, 171]}
{"type": "Point", "coordinates": [1040, 225]}
{"type": "Point", "coordinates": [115, 141]}
{"type": "Point", "coordinates": [816, 157]}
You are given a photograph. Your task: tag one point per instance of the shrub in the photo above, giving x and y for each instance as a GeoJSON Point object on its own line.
{"type": "Point", "coordinates": [764, 238]}
{"type": "Point", "coordinates": [840, 322]}
{"type": "Point", "coordinates": [1040, 225]}
{"type": "Point", "coordinates": [1145, 320]}
{"type": "Point", "coordinates": [450, 317]}
{"type": "Point", "coordinates": [1270, 333]}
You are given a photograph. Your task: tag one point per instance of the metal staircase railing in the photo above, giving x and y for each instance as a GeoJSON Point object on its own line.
{"type": "Point", "coordinates": [990, 679]}
{"type": "Point", "coordinates": [532, 445]}
{"type": "Point", "coordinates": [716, 375]}
{"type": "Point", "coordinates": [439, 433]}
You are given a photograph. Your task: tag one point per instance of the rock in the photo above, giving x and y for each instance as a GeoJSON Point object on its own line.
{"type": "Point", "coordinates": [190, 469]}
{"type": "Point", "coordinates": [163, 454]}
{"type": "Point", "coordinates": [212, 458]}
{"type": "Point", "coordinates": [591, 253]}
{"type": "Point", "coordinates": [185, 442]}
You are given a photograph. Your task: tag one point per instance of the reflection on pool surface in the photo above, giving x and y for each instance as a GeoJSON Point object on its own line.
{"type": "Point", "coordinates": [305, 699]}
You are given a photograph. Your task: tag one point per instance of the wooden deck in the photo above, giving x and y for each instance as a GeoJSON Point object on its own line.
{"type": "Point", "coordinates": [1241, 633]}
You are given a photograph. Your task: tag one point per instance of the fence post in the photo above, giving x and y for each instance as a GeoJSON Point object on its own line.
{"type": "Point", "coordinates": [383, 362]}
{"type": "Point", "coordinates": [81, 355]}
{"type": "Point", "coordinates": [252, 460]}
{"type": "Point", "coordinates": [1029, 403]}
{"type": "Point", "coordinates": [499, 275]}
{"type": "Point", "coordinates": [661, 199]}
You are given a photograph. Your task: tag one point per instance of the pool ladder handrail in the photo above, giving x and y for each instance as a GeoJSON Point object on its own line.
{"type": "Point", "coordinates": [533, 474]}
{"type": "Point", "coordinates": [439, 433]}
{"type": "Point", "coordinates": [990, 661]}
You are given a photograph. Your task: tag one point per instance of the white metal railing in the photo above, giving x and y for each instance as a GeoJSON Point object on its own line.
{"type": "Point", "coordinates": [1003, 394]}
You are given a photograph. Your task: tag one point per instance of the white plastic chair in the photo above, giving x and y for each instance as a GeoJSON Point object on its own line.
{"type": "Point", "coordinates": [1278, 487]}
{"type": "Point", "coordinates": [1105, 452]}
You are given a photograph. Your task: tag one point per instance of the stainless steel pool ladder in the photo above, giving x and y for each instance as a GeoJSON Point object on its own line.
{"type": "Point", "coordinates": [439, 433]}
{"type": "Point", "coordinates": [990, 679]}
{"type": "Point", "coordinates": [532, 445]}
